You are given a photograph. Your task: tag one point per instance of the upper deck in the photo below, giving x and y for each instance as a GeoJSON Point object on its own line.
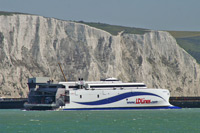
{"type": "Point", "coordinates": [110, 83]}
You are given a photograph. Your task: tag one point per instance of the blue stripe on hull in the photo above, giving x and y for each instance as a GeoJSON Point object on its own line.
{"type": "Point", "coordinates": [126, 108]}
{"type": "Point", "coordinates": [118, 98]}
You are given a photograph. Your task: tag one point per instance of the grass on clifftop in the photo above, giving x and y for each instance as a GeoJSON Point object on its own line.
{"type": "Point", "coordinates": [184, 34]}
{"type": "Point", "coordinates": [115, 29]}
{"type": "Point", "coordinates": [190, 41]}
{"type": "Point", "coordinates": [9, 13]}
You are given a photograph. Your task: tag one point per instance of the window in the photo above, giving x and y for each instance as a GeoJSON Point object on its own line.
{"type": "Point", "coordinates": [114, 86]}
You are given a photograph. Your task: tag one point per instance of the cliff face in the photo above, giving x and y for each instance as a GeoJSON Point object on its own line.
{"type": "Point", "coordinates": [31, 46]}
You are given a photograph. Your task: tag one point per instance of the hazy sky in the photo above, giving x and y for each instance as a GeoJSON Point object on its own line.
{"type": "Point", "coordinates": [181, 15]}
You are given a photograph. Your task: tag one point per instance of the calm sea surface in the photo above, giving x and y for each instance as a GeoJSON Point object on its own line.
{"type": "Point", "coordinates": [180, 120]}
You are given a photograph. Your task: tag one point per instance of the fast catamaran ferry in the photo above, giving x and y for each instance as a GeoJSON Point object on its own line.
{"type": "Point", "coordinates": [106, 94]}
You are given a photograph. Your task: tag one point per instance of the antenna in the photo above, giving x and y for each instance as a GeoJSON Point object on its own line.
{"type": "Point", "coordinates": [62, 71]}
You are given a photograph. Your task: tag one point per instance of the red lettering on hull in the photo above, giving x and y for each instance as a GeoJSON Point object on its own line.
{"type": "Point", "coordinates": [142, 101]}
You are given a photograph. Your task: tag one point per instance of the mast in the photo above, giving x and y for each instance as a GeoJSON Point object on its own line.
{"type": "Point", "coordinates": [62, 71]}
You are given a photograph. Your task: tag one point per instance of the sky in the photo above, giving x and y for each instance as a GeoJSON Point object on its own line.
{"type": "Point", "coordinates": [179, 15]}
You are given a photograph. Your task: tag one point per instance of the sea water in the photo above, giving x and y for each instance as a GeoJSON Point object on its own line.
{"type": "Point", "coordinates": [175, 120]}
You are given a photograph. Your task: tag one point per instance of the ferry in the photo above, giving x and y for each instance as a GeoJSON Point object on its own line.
{"type": "Point", "coordinates": [106, 94]}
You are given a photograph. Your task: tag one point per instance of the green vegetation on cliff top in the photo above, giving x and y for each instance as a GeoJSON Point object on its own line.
{"type": "Point", "coordinates": [190, 41]}
{"type": "Point", "coordinates": [115, 29]}
{"type": "Point", "coordinates": [10, 13]}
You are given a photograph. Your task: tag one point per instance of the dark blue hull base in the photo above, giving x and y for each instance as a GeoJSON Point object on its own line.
{"type": "Point", "coordinates": [41, 108]}
{"type": "Point", "coordinates": [126, 108]}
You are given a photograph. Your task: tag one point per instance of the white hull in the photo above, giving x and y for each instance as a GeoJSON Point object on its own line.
{"type": "Point", "coordinates": [118, 99]}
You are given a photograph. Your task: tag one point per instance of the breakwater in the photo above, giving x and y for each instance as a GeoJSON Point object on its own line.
{"type": "Point", "coordinates": [185, 102]}
{"type": "Point", "coordinates": [12, 103]}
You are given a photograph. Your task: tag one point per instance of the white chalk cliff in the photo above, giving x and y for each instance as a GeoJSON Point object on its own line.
{"type": "Point", "coordinates": [31, 46]}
